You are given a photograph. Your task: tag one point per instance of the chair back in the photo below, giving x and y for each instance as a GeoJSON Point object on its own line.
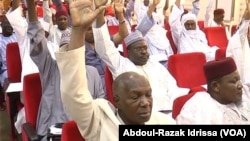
{"type": "Point", "coordinates": [32, 93]}
{"type": "Point", "coordinates": [201, 24]}
{"type": "Point", "coordinates": [13, 62]}
{"type": "Point", "coordinates": [70, 132]}
{"type": "Point", "coordinates": [113, 29]}
{"type": "Point", "coordinates": [179, 102]}
{"type": "Point", "coordinates": [216, 36]}
{"type": "Point", "coordinates": [233, 29]}
{"type": "Point", "coordinates": [171, 41]}
{"type": "Point", "coordinates": [108, 83]}
{"type": "Point", "coordinates": [187, 69]}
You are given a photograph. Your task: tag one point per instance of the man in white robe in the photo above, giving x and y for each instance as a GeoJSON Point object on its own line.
{"type": "Point", "coordinates": [164, 86]}
{"type": "Point", "coordinates": [226, 100]}
{"type": "Point", "coordinates": [238, 49]}
{"type": "Point", "coordinates": [186, 33]}
{"type": "Point", "coordinates": [99, 120]}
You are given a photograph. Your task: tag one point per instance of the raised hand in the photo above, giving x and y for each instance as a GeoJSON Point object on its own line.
{"type": "Point", "coordinates": [99, 3]}
{"type": "Point", "coordinates": [118, 6]}
{"type": "Point", "coordinates": [82, 12]}
{"type": "Point", "coordinates": [156, 2]}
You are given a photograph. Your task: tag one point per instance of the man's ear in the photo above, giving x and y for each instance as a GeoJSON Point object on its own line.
{"type": "Point", "coordinates": [215, 86]}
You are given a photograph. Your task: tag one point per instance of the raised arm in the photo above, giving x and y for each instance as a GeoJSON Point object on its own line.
{"type": "Point", "coordinates": [71, 62]}
{"type": "Point", "coordinates": [196, 7]}
{"type": "Point", "coordinates": [32, 15]}
{"type": "Point", "coordinates": [208, 11]}
{"type": "Point", "coordinates": [123, 30]}
{"type": "Point", "coordinates": [15, 4]}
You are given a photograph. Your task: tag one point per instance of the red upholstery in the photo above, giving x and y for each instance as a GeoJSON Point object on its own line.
{"type": "Point", "coordinates": [113, 29]}
{"type": "Point", "coordinates": [133, 27]}
{"type": "Point", "coordinates": [220, 53]}
{"type": "Point", "coordinates": [39, 11]}
{"type": "Point", "coordinates": [14, 69]}
{"type": "Point", "coordinates": [171, 41]}
{"type": "Point", "coordinates": [108, 82]}
{"type": "Point", "coordinates": [32, 93]}
{"type": "Point", "coordinates": [216, 36]}
{"type": "Point", "coordinates": [14, 66]}
{"type": "Point", "coordinates": [180, 101]}
{"type": "Point", "coordinates": [187, 69]}
{"type": "Point", "coordinates": [70, 132]}
{"type": "Point", "coordinates": [201, 25]}
{"type": "Point", "coordinates": [233, 29]}
{"type": "Point", "coordinates": [32, 88]}
{"type": "Point", "coordinates": [125, 52]}
{"type": "Point", "coordinates": [167, 26]}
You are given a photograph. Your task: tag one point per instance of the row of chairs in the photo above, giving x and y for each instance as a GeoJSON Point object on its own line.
{"type": "Point", "coordinates": [191, 77]}
{"type": "Point", "coordinates": [31, 93]}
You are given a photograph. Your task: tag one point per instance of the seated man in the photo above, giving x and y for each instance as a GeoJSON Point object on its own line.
{"type": "Point", "coordinates": [164, 86]}
{"type": "Point", "coordinates": [226, 100]}
{"type": "Point", "coordinates": [187, 35]}
{"type": "Point", "coordinates": [132, 92]}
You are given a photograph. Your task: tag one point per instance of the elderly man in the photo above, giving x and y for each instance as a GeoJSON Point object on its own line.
{"type": "Point", "coordinates": [226, 100]}
{"type": "Point", "coordinates": [100, 120]}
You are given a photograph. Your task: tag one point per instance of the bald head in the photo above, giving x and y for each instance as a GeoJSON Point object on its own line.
{"type": "Point", "coordinates": [128, 80]}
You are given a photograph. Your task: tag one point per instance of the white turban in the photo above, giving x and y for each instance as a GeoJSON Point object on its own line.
{"type": "Point", "coordinates": [188, 16]}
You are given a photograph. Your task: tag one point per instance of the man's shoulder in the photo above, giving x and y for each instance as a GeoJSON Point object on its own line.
{"type": "Point", "coordinates": [161, 118]}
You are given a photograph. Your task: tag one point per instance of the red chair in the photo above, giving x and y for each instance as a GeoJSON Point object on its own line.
{"type": "Point", "coordinates": [70, 132]}
{"type": "Point", "coordinates": [167, 26]}
{"type": "Point", "coordinates": [216, 36]}
{"type": "Point", "coordinates": [32, 93]}
{"type": "Point", "coordinates": [180, 101]}
{"type": "Point", "coordinates": [233, 29]}
{"type": "Point", "coordinates": [113, 29]}
{"type": "Point", "coordinates": [108, 83]}
{"type": "Point", "coordinates": [220, 53]}
{"type": "Point", "coordinates": [133, 27]}
{"type": "Point", "coordinates": [125, 52]}
{"type": "Point", "coordinates": [187, 69]}
{"type": "Point", "coordinates": [14, 69]}
{"type": "Point", "coordinates": [201, 25]}
{"type": "Point", "coordinates": [171, 41]}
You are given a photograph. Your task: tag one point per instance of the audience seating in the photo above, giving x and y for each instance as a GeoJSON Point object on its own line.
{"type": "Point", "coordinates": [201, 24]}
{"type": "Point", "coordinates": [233, 29]}
{"type": "Point", "coordinates": [32, 93]}
{"type": "Point", "coordinates": [187, 69]}
{"type": "Point", "coordinates": [133, 27]}
{"type": "Point", "coordinates": [108, 83]}
{"type": "Point", "coordinates": [171, 41]}
{"type": "Point", "coordinates": [70, 132]}
{"type": "Point", "coordinates": [180, 101]}
{"type": "Point", "coordinates": [167, 26]}
{"type": "Point", "coordinates": [216, 36]}
{"type": "Point", "coordinates": [14, 69]}
{"type": "Point", "coordinates": [113, 29]}
{"type": "Point", "coordinates": [220, 53]}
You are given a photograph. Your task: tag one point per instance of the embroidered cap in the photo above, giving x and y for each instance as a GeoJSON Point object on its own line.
{"type": "Point", "coordinates": [133, 37]}
{"type": "Point", "coordinates": [219, 11]}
